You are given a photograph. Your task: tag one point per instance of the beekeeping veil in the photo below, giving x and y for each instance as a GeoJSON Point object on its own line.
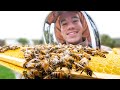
{"type": "Point", "coordinates": [52, 28]}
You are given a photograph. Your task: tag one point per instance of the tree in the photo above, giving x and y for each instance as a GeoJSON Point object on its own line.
{"type": "Point", "coordinates": [117, 42]}
{"type": "Point", "coordinates": [38, 41]}
{"type": "Point", "coordinates": [107, 40]}
{"type": "Point", "coordinates": [23, 41]}
{"type": "Point", "coordinates": [2, 42]}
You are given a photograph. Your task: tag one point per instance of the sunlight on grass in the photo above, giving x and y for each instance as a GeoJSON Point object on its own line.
{"type": "Point", "coordinates": [6, 73]}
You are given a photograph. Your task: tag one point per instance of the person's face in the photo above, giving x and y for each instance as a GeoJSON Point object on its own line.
{"type": "Point", "coordinates": [71, 27]}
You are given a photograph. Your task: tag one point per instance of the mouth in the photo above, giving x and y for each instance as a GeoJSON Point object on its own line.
{"type": "Point", "coordinates": [72, 33]}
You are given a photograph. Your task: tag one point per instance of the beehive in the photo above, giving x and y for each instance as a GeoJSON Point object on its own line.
{"type": "Point", "coordinates": [109, 65]}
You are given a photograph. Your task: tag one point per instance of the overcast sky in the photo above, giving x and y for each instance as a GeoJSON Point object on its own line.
{"type": "Point", "coordinates": [29, 24]}
{"type": "Point", "coordinates": [107, 22]}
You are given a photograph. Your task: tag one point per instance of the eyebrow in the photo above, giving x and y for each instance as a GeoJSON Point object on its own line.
{"type": "Point", "coordinates": [74, 17]}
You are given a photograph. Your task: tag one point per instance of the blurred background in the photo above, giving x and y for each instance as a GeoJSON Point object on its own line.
{"type": "Point", "coordinates": [26, 28]}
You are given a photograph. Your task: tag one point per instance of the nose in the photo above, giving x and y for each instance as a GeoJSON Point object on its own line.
{"type": "Point", "coordinates": [71, 26]}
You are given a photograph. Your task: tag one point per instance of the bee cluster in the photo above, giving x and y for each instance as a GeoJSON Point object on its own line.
{"type": "Point", "coordinates": [8, 47]}
{"type": "Point", "coordinates": [57, 61]}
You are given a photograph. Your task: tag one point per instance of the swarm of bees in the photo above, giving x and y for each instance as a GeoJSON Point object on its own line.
{"type": "Point", "coordinates": [8, 47]}
{"type": "Point", "coordinates": [56, 61]}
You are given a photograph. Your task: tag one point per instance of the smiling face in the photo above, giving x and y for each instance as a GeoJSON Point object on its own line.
{"type": "Point", "coordinates": [71, 27]}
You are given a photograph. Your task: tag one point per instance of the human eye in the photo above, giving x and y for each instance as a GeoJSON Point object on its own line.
{"type": "Point", "coordinates": [64, 23]}
{"type": "Point", "coordinates": [75, 19]}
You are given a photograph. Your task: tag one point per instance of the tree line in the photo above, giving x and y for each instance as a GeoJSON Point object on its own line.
{"type": "Point", "coordinates": [104, 39]}
{"type": "Point", "coordinates": [108, 41]}
{"type": "Point", "coordinates": [23, 41]}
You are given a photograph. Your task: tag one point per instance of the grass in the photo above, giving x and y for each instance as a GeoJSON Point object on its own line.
{"type": "Point", "coordinates": [6, 73]}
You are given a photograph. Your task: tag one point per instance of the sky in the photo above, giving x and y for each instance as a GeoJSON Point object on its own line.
{"type": "Point", "coordinates": [29, 24]}
{"type": "Point", "coordinates": [107, 22]}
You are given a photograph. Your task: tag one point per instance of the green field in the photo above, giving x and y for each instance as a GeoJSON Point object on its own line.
{"type": "Point", "coordinates": [6, 73]}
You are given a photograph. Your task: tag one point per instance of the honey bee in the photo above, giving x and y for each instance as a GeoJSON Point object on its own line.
{"type": "Point", "coordinates": [87, 70]}
{"type": "Point", "coordinates": [101, 54]}
{"type": "Point", "coordinates": [87, 56]}
{"type": "Point", "coordinates": [105, 52]}
{"type": "Point", "coordinates": [29, 54]}
{"type": "Point", "coordinates": [75, 56]}
{"type": "Point", "coordinates": [13, 47]}
{"type": "Point", "coordinates": [36, 52]}
{"type": "Point", "coordinates": [47, 77]}
{"type": "Point", "coordinates": [59, 75]}
{"type": "Point", "coordinates": [56, 61]}
{"type": "Point", "coordinates": [78, 66]}
{"type": "Point", "coordinates": [43, 65]}
{"type": "Point", "coordinates": [25, 75]}
{"type": "Point", "coordinates": [32, 74]}
{"type": "Point", "coordinates": [94, 53]}
{"type": "Point", "coordinates": [49, 70]}
{"type": "Point", "coordinates": [81, 56]}
{"type": "Point", "coordinates": [2, 51]}
{"type": "Point", "coordinates": [32, 63]}
{"type": "Point", "coordinates": [84, 62]}
{"type": "Point", "coordinates": [68, 65]}
{"type": "Point", "coordinates": [29, 65]}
